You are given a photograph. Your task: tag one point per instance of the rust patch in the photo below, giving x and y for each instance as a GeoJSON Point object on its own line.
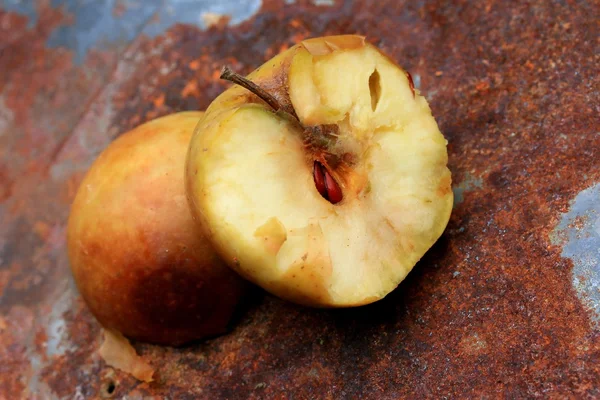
{"type": "Point", "coordinates": [5, 185]}
{"type": "Point", "coordinates": [15, 367]}
{"type": "Point", "coordinates": [514, 99]}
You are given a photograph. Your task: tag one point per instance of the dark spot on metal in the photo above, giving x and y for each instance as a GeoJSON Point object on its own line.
{"type": "Point", "coordinates": [499, 179]}
{"type": "Point", "coordinates": [108, 389]}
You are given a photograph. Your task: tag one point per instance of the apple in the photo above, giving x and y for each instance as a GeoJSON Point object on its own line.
{"type": "Point", "coordinates": [322, 176]}
{"type": "Point", "coordinates": [138, 259]}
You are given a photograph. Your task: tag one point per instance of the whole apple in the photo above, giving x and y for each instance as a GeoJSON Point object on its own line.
{"type": "Point", "coordinates": [139, 261]}
{"type": "Point", "coordinates": [322, 176]}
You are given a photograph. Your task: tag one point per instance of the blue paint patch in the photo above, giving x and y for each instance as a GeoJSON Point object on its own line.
{"type": "Point", "coordinates": [25, 8]}
{"type": "Point", "coordinates": [579, 234]}
{"type": "Point", "coordinates": [192, 12]}
{"type": "Point", "coordinates": [97, 25]}
{"type": "Point", "coordinates": [417, 81]}
{"type": "Point", "coordinates": [106, 24]}
{"type": "Point", "coordinates": [469, 183]}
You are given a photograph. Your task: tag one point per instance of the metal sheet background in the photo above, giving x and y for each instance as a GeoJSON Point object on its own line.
{"type": "Point", "coordinates": [506, 304]}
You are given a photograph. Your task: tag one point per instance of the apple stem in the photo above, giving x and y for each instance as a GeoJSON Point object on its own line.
{"type": "Point", "coordinates": [324, 182]}
{"type": "Point", "coordinates": [236, 78]}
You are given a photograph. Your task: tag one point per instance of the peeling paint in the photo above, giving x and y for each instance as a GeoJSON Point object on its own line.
{"type": "Point", "coordinates": [470, 182]}
{"type": "Point", "coordinates": [417, 81]}
{"type": "Point", "coordinates": [579, 234]}
{"type": "Point", "coordinates": [193, 11]}
{"type": "Point", "coordinates": [99, 26]}
{"type": "Point", "coordinates": [21, 7]}
{"type": "Point", "coordinates": [58, 341]}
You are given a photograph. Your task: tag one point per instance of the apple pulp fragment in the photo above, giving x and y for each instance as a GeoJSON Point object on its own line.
{"type": "Point", "coordinates": [268, 191]}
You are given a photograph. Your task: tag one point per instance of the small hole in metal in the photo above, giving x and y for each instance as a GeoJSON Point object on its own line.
{"type": "Point", "coordinates": [108, 389]}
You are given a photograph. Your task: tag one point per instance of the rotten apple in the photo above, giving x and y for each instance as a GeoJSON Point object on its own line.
{"type": "Point", "coordinates": [139, 261]}
{"type": "Point", "coordinates": [321, 176]}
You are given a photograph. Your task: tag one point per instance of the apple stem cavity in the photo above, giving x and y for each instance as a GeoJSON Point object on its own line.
{"type": "Point", "coordinates": [228, 75]}
{"type": "Point", "coordinates": [324, 182]}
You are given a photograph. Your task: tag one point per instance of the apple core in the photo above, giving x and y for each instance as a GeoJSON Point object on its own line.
{"type": "Point", "coordinates": [321, 176]}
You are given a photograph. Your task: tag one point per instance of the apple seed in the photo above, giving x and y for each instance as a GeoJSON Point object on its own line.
{"type": "Point", "coordinates": [325, 184]}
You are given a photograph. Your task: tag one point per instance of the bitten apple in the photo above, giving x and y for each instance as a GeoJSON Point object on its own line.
{"type": "Point", "coordinates": [322, 176]}
{"type": "Point", "coordinates": [139, 261]}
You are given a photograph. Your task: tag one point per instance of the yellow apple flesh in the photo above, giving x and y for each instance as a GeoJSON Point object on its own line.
{"type": "Point", "coordinates": [139, 261]}
{"type": "Point", "coordinates": [250, 175]}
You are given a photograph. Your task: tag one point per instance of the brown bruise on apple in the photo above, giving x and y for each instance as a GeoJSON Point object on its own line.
{"type": "Point", "coordinates": [355, 131]}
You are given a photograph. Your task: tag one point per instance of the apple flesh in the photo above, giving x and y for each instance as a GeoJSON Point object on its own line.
{"type": "Point", "coordinates": [139, 261]}
{"type": "Point", "coordinates": [326, 184]}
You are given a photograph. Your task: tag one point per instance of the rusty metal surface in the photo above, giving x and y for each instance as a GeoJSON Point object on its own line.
{"type": "Point", "coordinates": [505, 305]}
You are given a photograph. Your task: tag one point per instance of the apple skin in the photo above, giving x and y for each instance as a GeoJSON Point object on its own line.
{"type": "Point", "coordinates": [250, 175]}
{"type": "Point", "coordinates": [139, 261]}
